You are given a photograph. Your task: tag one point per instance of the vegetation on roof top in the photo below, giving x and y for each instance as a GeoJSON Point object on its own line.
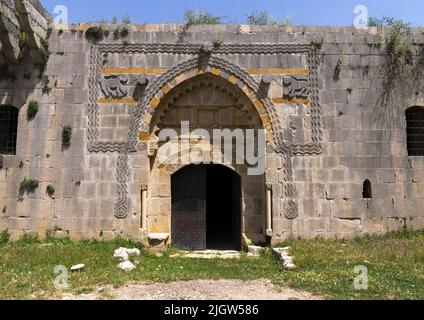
{"type": "Point", "coordinates": [200, 17]}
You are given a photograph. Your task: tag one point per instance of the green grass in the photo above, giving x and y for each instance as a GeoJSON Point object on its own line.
{"type": "Point", "coordinates": [26, 267]}
{"type": "Point", "coordinates": [395, 263]}
{"type": "Point", "coordinates": [395, 266]}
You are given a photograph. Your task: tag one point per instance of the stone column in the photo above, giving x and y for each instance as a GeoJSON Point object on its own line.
{"type": "Point", "coordinates": [268, 210]}
{"type": "Point", "coordinates": [144, 209]}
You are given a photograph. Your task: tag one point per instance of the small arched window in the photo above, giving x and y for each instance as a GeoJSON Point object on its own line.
{"type": "Point", "coordinates": [8, 129]}
{"type": "Point", "coordinates": [367, 190]}
{"type": "Point", "coordinates": [415, 131]}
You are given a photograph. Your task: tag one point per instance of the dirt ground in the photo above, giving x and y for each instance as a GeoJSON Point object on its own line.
{"type": "Point", "coordinates": [197, 290]}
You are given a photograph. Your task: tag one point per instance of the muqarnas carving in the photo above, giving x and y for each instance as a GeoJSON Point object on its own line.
{"type": "Point", "coordinates": [114, 86]}
{"type": "Point", "coordinates": [296, 87]}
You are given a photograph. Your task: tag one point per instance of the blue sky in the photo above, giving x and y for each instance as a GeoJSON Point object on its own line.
{"type": "Point", "coordinates": [305, 12]}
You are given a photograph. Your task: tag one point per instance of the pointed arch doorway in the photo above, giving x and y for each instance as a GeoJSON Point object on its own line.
{"type": "Point", "coordinates": [206, 208]}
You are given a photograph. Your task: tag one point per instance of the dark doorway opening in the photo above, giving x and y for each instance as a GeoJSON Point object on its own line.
{"type": "Point", "coordinates": [206, 208]}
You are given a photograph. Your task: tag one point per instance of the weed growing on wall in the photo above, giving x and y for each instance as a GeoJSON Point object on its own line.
{"type": "Point", "coordinates": [200, 17]}
{"type": "Point", "coordinates": [66, 137]}
{"type": "Point", "coordinates": [32, 110]}
{"type": "Point", "coordinates": [28, 185]}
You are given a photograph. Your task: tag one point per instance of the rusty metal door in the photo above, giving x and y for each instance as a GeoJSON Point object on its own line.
{"type": "Point", "coordinates": [189, 208]}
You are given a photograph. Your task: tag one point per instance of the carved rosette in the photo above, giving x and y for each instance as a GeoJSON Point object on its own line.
{"type": "Point", "coordinates": [291, 211]}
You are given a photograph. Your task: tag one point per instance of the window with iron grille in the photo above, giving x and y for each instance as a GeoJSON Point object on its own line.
{"type": "Point", "coordinates": [8, 129]}
{"type": "Point", "coordinates": [415, 131]}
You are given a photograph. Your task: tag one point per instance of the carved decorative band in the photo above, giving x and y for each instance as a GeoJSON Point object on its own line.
{"type": "Point", "coordinates": [288, 101]}
{"type": "Point", "coordinates": [117, 101]}
{"type": "Point", "coordinates": [192, 48]}
{"type": "Point", "coordinates": [133, 70]}
{"type": "Point", "coordinates": [304, 72]}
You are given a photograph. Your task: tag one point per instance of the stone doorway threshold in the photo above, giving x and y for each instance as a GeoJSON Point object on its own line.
{"type": "Point", "coordinates": [208, 254]}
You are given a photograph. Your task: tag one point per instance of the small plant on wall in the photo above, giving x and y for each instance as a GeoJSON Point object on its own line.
{"type": "Point", "coordinates": [317, 43]}
{"type": "Point", "coordinates": [200, 17]}
{"type": "Point", "coordinates": [46, 88]}
{"type": "Point", "coordinates": [66, 137]}
{"type": "Point", "coordinates": [32, 110]}
{"type": "Point", "coordinates": [217, 44]}
{"type": "Point", "coordinates": [95, 34]}
{"type": "Point", "coordinates": [28, 185]}
{"type": "Point", "coordinates": [338, 68]}
{"type": "Point", "coordinates": [50, 191]}
{"type": "Point", "coordinates": [125, 32]}
{"type": "Point", "coordinates": [396, 46]}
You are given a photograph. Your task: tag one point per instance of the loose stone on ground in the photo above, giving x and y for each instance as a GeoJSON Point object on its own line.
{"type": "Point", "coordinates": [284, 258]}
{"type": "Point", "coordinates": [123, 254]}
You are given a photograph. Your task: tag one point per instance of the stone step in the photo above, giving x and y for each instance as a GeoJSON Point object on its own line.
{"type": "Point", "coordinates": [208, 254]}
{"type": "Point", "coordinates": [254, 251]}
{"type": "Point", "coordinates": [284, 259]}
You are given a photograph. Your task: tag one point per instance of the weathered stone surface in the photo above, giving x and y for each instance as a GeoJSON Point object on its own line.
{"type": "Point", "coordinates": [126, 266]}
{"type": "Point", "coordinates": [208, 254]}
{"type": "Point", "coordinates": [254, 251]}
{"type": "Point", "coordinates": [284, 258]}
{"type": "Point", "coordinates": [124, 253]}
{"type": "Point", "coordinates": [317, 181]}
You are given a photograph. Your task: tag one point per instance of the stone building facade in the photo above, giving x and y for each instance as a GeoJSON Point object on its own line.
{"type": "Point", "coordinates": [340, 160]}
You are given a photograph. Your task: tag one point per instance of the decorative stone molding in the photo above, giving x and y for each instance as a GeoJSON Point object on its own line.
{"type": "Point", "coordinates": [232, 94]}
{"type": "Point", "coordinates": [160, 86]}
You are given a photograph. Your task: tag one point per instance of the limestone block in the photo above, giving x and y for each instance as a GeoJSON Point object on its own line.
{"type": "Point", "coordinates": [326, 208]}
{"type": "Point", "coordinates": [338, 175]}
{"type": "Point", "coordinates": [124, 253]}
{"type": "Point", "coordinates": [285, 260]}
{"type": "Point", "coordinates": [373, 226]}
{"type": "Point", "coordinates": [393, 224]}
{"type": "Point", "coordinates": [126, 266]}
{"type": "Point", "coordinates": [345, 228]}
{"type": "Point", "coordinates": [418, 175]}
{"type": "Point", "coordinates": [158, 224]}
{"type": "Point", "coordinates": [317, 225]}
{"type": "Point", "coordinates": [329, 162]}
{"type": "Point", "coordinates": [416, 223]}
{"type": "Point", "coordinates": [308, 207]}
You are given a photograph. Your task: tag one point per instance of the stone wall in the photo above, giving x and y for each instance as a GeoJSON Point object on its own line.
{"type": "Point", "coordinates": [23, 25]}
{"type": "Point", "coordinates": [325, 136]}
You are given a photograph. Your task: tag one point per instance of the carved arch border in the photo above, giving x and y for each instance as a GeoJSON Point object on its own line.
{"type": "Point", "coordinates": [98, 52]}
{"type": "Point", "coordinates": [189, 69]}
{"type": "Point", "coordinates": [232, 93]}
